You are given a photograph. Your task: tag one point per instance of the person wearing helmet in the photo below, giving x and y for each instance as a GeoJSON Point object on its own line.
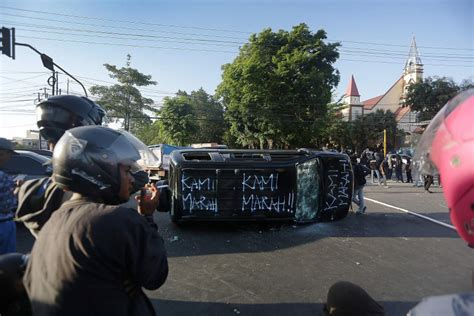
{"type": "Point", "coordinates": [104, 252]}
{"type": "Point", "coordinates": [39, 198]}
{"type": "Point", "coordinates": [59, 113]}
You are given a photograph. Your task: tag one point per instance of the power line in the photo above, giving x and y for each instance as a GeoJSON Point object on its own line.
{"type": "Point", "coordinates": [127, 38]}
{"type": "Point", "coordinates": [399, 45]}
{"type": "Point", "coordinates": [120, 27]}
{"type": "Point", "coordinates": [119, 33]}
{"type": "Point", "coordinates": [127, 21]}
{"type": "Point", "coordinates": [131, 45]}
{"type": "Point", "coordinates": [188, 49]}
{"type": "Point", "coordinates": [12, 80]}
{"type": "Point", "coordinates": [347, 50]}
{"type": "Point", "coordinates": [218, 29]}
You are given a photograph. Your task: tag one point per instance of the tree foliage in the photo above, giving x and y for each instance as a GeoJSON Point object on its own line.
{"type": "Point", "coordinates": [429, 96]}
{"type": "Point", "coordinates": [185, 119]}
{"type": "Point", "coordinates": [123, 101]}
{"type": "Point", "coordinates": [364, 131]}
{"type": "Point", "coordinates": [276, 91]}
{"type": "Point", "coordinates": [208, 115]}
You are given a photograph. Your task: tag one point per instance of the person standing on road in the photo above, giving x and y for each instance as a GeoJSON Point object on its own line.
{"type": "Point", "coordinates": [408, 170]}
{"type": "Point", "coordinates": [7, 201]}
{"type": "Point", "coordinates": [428, 182]}
{"type": "Point", "coordinates": [104, 253]}
{"type": "Point", "coordinates": [360, 172]}
{"type": "Point", "coordinates": [398, 168]}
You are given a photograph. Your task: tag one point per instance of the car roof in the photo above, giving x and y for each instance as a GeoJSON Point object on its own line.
{"type": "Point", "coordinates": [33, 155]}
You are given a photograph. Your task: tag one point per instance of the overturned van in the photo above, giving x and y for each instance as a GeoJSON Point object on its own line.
{"type": "Point", "coordinates": [301, 185]}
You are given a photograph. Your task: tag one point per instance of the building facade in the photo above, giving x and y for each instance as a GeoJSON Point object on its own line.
{"type": "Point", "coordinates": [393, 99]}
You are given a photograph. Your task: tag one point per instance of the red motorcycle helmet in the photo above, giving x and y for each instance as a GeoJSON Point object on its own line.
{"type": "Point", "coordinates": [447, 148]}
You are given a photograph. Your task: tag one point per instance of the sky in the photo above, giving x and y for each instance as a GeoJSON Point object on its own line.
{"type": "Point", "coordinates": [183, 44]}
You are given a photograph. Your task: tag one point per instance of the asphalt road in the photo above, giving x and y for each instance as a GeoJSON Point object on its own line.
{"type": "Point", "coordinates": [251, 269]}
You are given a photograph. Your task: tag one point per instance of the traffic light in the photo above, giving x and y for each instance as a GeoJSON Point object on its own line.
{"type": "Point", "coordinates": [6, 42]}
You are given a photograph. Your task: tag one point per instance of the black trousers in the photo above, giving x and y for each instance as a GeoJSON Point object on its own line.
{"type": "Point", "coordinates": [428, 181]}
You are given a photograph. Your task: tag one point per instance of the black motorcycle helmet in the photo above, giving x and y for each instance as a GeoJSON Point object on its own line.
{"type": "Point", "coordinates": [86, 160]}
{"type": "Point", "coordinates": [62, 112]}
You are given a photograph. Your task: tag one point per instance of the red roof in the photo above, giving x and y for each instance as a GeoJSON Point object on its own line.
{"type": "Point", "coordinates": [400, 112]}
{"type": "Point", "coordinates": [352, 88]}
{"type": "Point", "coordinates": [369, 104]}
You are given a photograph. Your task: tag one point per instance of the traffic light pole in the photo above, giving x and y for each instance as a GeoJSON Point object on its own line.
{"type": "Point", "coordinates": [8, 44]}
{"type": "Point", "coordinates": [48, 63]}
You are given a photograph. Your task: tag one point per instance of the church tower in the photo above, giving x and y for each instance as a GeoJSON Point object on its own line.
{"type": "Point", "coordinates": [352, 100]}
{"type": "Point", "coordinates": [413, 72]}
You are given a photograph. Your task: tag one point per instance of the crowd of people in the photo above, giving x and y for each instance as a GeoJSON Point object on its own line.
{"type": "Point", "coordinates": [394, 166]}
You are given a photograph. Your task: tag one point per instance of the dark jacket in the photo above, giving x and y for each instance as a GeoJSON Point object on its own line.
{"type": "Point", "coordinates": [37, 200]}
{"type": "Point", "coordinates": [93, 259]}
{"type": "Point", "coordinates": [360, 172]}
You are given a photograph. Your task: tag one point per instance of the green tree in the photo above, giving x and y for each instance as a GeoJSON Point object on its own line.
{"type": "Point", "coordinates": [152, 134]}
{"type": "Point", "coordinates": [368, 130]}
{"type": "Point", "coordinates": [276, 91]}
{"type": "Point", "coordinates": [123, 101]}
{"type": "Point", "coordinates": [177, 124]}
{"type": "Point", "coordinates": [429, 96]}
{"type": "Point", "coordinates": [208, 116]}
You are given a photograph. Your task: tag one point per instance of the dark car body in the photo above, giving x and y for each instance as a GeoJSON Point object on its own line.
{"type": "Point", "coordinates": [218, 184]}
{"type": "Point", "coordinates": [25, 165]}
{"type": "Point", "coordinates": [42, 152]}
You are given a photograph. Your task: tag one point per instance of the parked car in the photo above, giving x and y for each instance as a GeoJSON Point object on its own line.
{"type": "Point", "coordinates": [26, 165]}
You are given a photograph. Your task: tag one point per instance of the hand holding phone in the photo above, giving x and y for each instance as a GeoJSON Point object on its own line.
{"type": "Point", "coordinates": [148, 199]}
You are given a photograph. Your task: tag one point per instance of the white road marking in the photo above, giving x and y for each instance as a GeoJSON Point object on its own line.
{"type": "Point", "coordinates": [412, 213]}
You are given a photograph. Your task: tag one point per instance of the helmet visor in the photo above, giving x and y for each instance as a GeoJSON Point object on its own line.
{"type": "Point", "coordinates": [50, 115]}
{"type": "Point", "coordinates": [423, 149]}
{"type": "Point", "coordinates": [129, 150]}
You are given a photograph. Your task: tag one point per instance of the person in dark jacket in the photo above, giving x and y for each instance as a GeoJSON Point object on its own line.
{"type": "Point", "coordinates": [398, 168]}
{"type": "Point", "coordinates": [360, 172]}
{"type": "Point", "coordinates": [39, 198]}
{"type": "Point", "coordinates": [408, 170]}
{"type": "Point", "coordinates": [104, 252]}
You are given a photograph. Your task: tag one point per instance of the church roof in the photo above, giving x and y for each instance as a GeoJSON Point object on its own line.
{"type": "Point", "coordinates": [400, 112]}
{"type": "Point", "coordinates": [370, 103]}
{"type": "Point", "coordinates": [352, 88]}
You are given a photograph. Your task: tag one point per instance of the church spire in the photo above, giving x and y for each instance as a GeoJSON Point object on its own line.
{"type": "Point", "coordinates": [352, 88]}
{"type": "Point", "coordinates": [413, 56]}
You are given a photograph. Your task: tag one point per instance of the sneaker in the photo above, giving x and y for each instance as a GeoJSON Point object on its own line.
{"type": "Point", "coordinates": [364, 209]}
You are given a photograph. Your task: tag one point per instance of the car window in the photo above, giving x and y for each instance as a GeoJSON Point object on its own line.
{"type": "Point", "coordinates": [24, 165]}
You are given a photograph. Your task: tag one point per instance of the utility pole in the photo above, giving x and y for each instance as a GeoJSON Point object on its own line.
{"type": "Point", "coordinates": [57, 82]}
